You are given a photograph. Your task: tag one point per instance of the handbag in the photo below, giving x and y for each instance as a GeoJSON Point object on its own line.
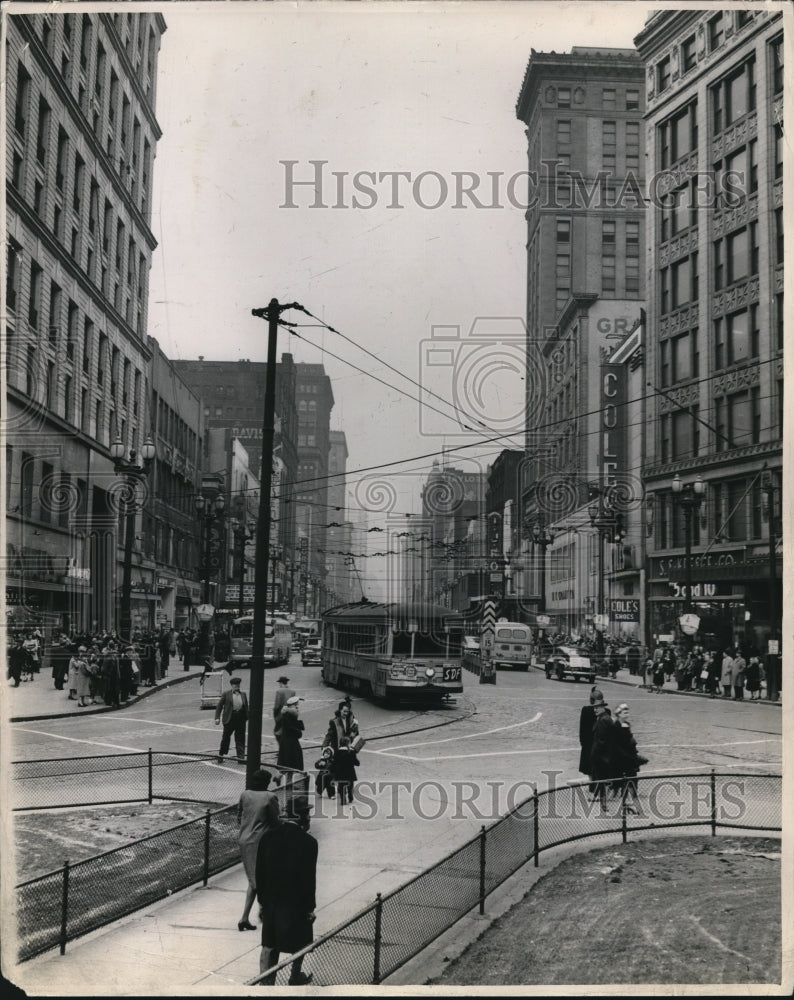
{"type": "Point", "coordinates": [358, 744]}
{"type": "Point", "coordinates": [704, 674]}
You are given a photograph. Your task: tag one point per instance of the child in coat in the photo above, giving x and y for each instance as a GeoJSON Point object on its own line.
{"type": "Point", "coordinates": [324, 781]}
{"type": "Point", "coordinates": [343, 770]}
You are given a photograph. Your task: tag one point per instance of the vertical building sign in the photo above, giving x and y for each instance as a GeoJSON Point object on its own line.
{"type": "Point", "coordinates": [613, 456]}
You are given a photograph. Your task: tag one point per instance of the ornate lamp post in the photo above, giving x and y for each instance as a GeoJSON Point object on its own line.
{"type": "Point", "coordinates": [689, 497]}
{"type": "Point", "coordinates": [608, 522]}
{"type": "Point", "coordinates": [210, 509]}
{"type": "Point", "coordinates": [132, 474]}
{"type": "Point", "coordinates": [542, 537]}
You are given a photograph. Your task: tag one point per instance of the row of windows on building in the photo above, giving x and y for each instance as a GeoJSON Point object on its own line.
{"type": "Point", "coordinates": [734, 510]}
{"type": "Point", "coordinates": [93, 247]}
{"type": "Point", "coordinates": [735, 258]}
{"type": "Point", "coordinates": [736, 422]}
{"type": "Point", "coordinates": [611, 131]}
{"type": "Point", "coordinates": [612, 98]}
{"type": "Point", "coordinates": [731, 98]}
{"type": "Point", "coordinates": [129, 152]}
{"type": "Point", "coordinates": [628, 253]}
{"type": "Point", "coordinates": [686, 55]}
{"type": "Point", "coordinates": [174, 429]}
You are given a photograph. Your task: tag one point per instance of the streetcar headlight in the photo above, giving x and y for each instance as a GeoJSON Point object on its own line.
{"type": "Point", "coordinates": [430, 672]}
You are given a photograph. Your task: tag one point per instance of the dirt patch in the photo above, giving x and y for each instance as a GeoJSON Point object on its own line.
{"type": "Point", "coordinates": [44, 840]}
{"type": "Point", "coordinates": [672, 910]}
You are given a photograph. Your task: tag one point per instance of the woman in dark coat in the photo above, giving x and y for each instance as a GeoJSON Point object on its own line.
{"type": "Point", "coordinates": [752, 678]}
{"type": "Point", "coordinates": [289, 729]}
{"type": "Point", "coordinates": [627, 760]}
{"type": "Point", "coordinates": [587, 718]}
{"type": "Point", "coordinates": [602, 753]}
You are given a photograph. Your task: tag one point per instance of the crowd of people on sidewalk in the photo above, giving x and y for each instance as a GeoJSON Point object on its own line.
{"type": "Point", "coordinates": [731, 672]}
{"type": "Point", "coordinates": [94, 667]}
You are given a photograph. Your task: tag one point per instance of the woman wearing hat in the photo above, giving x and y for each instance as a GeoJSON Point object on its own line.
{"type": "Point", "coordinates": [257, 812]}
{"type": "Point", "coordinates": [288, 731]}
{"type": "Point", "coordinates": [602, 752]}
{"type": "Point", "coordinates": [627, 759]}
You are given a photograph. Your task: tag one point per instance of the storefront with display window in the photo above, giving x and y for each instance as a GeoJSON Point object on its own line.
{"type": "Point", "coordinates": [726, 596]}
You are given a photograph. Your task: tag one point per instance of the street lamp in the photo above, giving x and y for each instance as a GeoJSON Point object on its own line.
{"type": "Point", "coordinates": [243, 533]}
{"type": "Point", "coordinates": [608, 522]}
{"type": "Point", "coordinates": [210, 509]}
{"type": "Point", "coordinates": [132, 474]}
{"type": "Point", "coordinates": [543, 538]}
{"type": "Point", "coordinates": [689, 496]}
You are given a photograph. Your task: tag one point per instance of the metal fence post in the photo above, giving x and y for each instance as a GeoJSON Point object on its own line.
{"type": "Point", "coordinates": [536, 826]}
{"type": "Point", "coordinates": [64, 905]}
{"type": "Point", "coordinates": [207, 847]}
{"type": "Point", "coordinates": [482, 870]}
{"type": "Point", "coordinates": [624, 812]}
{"type": "Point", "coordinates": [713, 803]}
{"type": "Point", "coordinates": [151, 777]}
{"type": "Point", "coordinates": [376, 956]}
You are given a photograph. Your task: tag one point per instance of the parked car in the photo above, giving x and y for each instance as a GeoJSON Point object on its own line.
{"type": "Point", "coordinates": [570, 661]}
{"type": "Point", "coordinates": [311, 654]}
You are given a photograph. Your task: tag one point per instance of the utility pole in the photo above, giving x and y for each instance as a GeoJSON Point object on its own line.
{"type": "Point", "coordinates": [256, 696]}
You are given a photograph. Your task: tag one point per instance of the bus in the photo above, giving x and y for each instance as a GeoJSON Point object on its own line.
{"type": "Point", "coordinates": [304, 629]}
{"type": "Point", "coordinates": [395, 652]}
{"type": "Point", "coordinates": [278, 636]}
{"type": "Point", "coordinates": [512, 646]}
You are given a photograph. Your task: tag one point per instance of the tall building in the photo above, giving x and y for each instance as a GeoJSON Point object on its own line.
{"type": "Point", "coordinates": [80, 146]}
{"type": "Point", "coordinates": [339, 537]}
{"type": "Point", "coordinates": [715, 320]}
{"type": "Point", "coordinates": [583, 112]}
{"type": "Point", "coordinates": [232, 394]}
{"type": "Point", "coordinates": [315, 399]}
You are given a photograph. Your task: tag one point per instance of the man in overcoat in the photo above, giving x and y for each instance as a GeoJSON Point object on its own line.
{"type": "Point", "coordinates": [286, 876]}
{"type": "Point", "coordinates": [232, 710]}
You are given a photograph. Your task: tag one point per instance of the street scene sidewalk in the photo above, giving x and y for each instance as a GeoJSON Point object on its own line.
{"type": "Point", "coordinates": [191, 942]}
{"type": "Point", "coordinates": [39, 699]}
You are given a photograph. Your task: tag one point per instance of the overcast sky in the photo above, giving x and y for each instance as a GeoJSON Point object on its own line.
{"type": "Point", "coordinates": [425, 88]}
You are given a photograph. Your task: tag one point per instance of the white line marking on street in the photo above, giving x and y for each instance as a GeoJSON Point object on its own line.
{"type": "Point", "coordinates": [72, 739]}
{"type": "Point", "coordinates": [467, 736]}
{"type": "Point", "coordinates": [174, 725]}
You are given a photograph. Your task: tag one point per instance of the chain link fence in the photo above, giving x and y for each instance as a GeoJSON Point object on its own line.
{"type": "Point", "coordinates": [78, 898]}
{"type": "Point", "coordinates": [377, 941]}
{"type": "Point", "coordinates": [128, 777]}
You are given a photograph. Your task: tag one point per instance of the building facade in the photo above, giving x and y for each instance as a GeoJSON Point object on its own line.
{"type": "Point", "coordinates": [715, 320]}
{"type": "Point", "coordinates": [232, 394]}
{"type": "Point", "coordinates": [81, 138]}
{"type": "Point", "coordinates": [585, 291]}
{"type": "Point", "coordinates": [315, 400]}
{"type": "Point", "coordinates": [170, 537]}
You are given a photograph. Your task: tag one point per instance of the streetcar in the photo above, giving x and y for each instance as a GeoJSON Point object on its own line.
{"type": "Point", "coordinates": [395, 652]}
{"type": "Point", "coordinates": [278, 639]}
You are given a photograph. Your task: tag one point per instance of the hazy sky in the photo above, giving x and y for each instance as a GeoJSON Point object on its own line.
{"type": "Point", "coordinates": [425, 88]}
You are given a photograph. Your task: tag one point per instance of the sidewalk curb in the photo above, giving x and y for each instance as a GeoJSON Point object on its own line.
{"type": "Point", "coordinates": [109, 708]}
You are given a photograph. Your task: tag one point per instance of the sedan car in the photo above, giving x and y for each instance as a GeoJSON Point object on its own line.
{"type": "Point", "coordinates": [570, 661]}
{"type": "Point", "coordinates": [311, 654]}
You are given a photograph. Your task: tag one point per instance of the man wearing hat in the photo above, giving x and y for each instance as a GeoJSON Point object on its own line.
{"type": "Point", "coordinates": [602, 752]}
{"type": "Point", "coordinates": [283, 694]}
{"type": "Point", "coordinates": [232, 710]}
{"type": "Point", "coordinates": [587, 718]}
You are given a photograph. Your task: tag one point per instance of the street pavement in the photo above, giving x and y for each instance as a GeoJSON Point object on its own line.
{"type": "Point", "coordinates": [190, 944]}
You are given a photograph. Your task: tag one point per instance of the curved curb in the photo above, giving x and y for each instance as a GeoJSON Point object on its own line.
{"type": "Point", "coordinates": [99, 710]}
